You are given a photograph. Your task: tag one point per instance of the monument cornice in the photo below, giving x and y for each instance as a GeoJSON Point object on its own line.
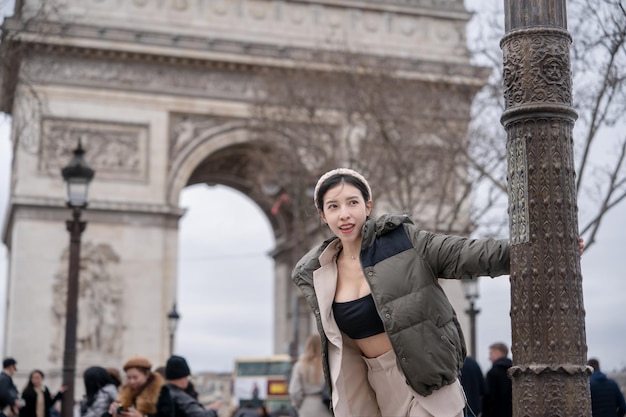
{"type": "Point", "coordinates": [99, 211]}
{"type": "Point", "coordinates": [397, 6]}
{"type": "Point", "coordinates": [132, 45]}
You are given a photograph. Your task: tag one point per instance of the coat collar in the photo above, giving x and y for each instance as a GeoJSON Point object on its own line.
{"type": "Point", "coordinates": [325, 283]}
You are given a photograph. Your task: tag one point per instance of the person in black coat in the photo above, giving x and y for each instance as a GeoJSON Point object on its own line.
{"type": "Point", "coordinates": [8, 390]}
{"type": "Point", "coordinates": [498, 402]}
{"type": "Point", "coordinates": [607, 399]}
{"type": "Point", "coordinates": [473, 383]}
{"type": "Point", "coordinates": [33, 391]}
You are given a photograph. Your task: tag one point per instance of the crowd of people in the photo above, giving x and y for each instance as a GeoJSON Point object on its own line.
{"type": "Point", "coordinates": [143, 391]}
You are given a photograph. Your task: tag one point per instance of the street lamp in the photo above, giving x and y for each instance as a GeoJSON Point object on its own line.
{"type": "Point", "coordinates": [470, 287]}
{"type": "Point", "coordinates": [77, 175]}
{"type": "Point", "coordinates": [172, 324]}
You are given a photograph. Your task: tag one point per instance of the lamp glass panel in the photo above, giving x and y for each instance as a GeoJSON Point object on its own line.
{"type": "Point", "coordinates": [77, 189]}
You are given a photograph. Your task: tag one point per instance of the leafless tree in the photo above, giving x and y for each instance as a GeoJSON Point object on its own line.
{"type": "Point", "coordinates": [14, 51]}
{"type": "Point", "coordinates": [406, 135]}
{"type": "Point", "coordinates": [598, 59]}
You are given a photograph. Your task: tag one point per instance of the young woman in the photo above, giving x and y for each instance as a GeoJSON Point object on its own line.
{"type": "Point", "coordinates": [143, 393]}
{"type": "Point", "coordinates": [306, 385]}
{"type": "Point", "coordinates": [37, 397]}
{"type": "Point", "coordinates": [391, 342]}
{"type": "Point", "coordinates": [100, 392]}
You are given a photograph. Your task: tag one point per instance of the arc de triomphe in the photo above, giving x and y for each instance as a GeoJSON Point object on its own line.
{"type": "Point", "coordinates": [159, 92]}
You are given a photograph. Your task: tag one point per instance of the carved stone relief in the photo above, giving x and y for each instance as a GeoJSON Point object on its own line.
{"type": "Point", "coordinates": [100, 318]}
{"type": "Point", "coordinates": [266, 17]}
{"type": "Point", "coordinates": [116, 151]}
{"type": "Point", "coordinates": [187, 128]}
{"type": "Point", "coordinates": [130, 76]}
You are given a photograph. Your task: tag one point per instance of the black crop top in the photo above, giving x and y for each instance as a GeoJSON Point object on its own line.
{"type": "Point", "coordinates": [358, 318]}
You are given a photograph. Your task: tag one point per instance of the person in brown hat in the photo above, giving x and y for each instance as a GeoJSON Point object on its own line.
{"type": "Point", "coordinates": [140, 394]}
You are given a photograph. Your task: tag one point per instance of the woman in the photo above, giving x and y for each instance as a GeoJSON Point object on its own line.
{"type": "Point", "coordinates": [100, 392]}
{"type": "Point", "coordinates": [391, 343]}
{"type": "Point", "coordinates": [307, 381]}
{"type": "Point", "coordinates": [37, 398]}
{"type": "Point", "coordinates": [142, 392]}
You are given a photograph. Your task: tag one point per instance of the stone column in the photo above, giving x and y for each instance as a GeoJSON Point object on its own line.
{"type": "Point", "coordinates": [549, 372]}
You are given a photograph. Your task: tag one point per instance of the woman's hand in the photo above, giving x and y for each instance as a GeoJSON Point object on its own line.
{"type": "Point", "coordinates": [113, 408]}
{"type": "Point", "coordinates": [131, 412]}
{"type": "Point", "coordinates": [581, 245]}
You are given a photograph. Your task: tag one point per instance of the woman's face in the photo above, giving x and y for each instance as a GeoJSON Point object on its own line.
{"type": "Point", "coordinates": [136, 378]}
{"type": "Point", "coordinates": [345, 211]}
{"type": "Point", "coordinates": [36, 379]}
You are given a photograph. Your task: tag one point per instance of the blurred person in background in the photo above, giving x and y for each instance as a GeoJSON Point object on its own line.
{"type": "Point", "coordinates": [37, 398]}
{"type": "Point", "coordinates": [141, 393]}
{"type": "Point", "coordinates": [498, 402]}
{"type": "Point", "coordinates": [8, 391]}
{"type": "Point", "coordinates": [606, 398]}
{"type": "Point", "coordinates": [100, 392]}
{"type": "Point", "coordinates": [183, 403]}
{"type": "Point", "coordinates": [474, 385]}
{"type": "Point", "coordinates": [307, 383]}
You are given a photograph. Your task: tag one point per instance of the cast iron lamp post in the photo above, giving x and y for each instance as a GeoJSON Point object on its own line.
{"type": "Point", "coordinates": [172, 324]}
{"type": "Point", "coordinates": [77, 175]}
{"type": "Point", "coordinates": [470, 287]}
{"type": "Point", "coordinates": [550, 376]}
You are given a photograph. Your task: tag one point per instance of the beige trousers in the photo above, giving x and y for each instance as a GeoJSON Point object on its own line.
{"type": "Point", "coordinates": [396, 398]}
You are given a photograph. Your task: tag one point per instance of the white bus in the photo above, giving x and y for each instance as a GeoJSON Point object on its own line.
{"type": "Point", "coordinates": [262, 380]}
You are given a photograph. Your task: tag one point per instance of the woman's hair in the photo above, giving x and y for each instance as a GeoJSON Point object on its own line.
{"type": "Point", "coordinates": [340, 176]}
{"type": "Point", "coordinates": [29, 385]}
{"type": "Point", "coordinates": [311, 359]}
{"type": "Point", "coordinates": [115, 376]}
{"type": "Point", "coordinates": [95, 378]}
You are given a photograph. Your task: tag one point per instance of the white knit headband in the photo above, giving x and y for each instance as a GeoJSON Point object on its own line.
{"type": "Point", "coordinates": [340, 171]}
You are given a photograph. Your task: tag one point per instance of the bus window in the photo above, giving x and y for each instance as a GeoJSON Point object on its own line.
{"type": "Point", "coordinates": [262, 381]}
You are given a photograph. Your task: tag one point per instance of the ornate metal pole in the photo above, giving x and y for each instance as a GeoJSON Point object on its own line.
{"type": "Point", "coordinates": [472, 312]}
{"type": "Point", "coordinates": [76, 228]}
{"type": "Point", "coordinates": [549, 348]}
{"type": "Point", "coordinates": [77, 175]}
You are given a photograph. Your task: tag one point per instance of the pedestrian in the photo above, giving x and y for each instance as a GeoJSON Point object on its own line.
{"type": "Point", "coordinates": [473, 383]}
{"type": "Point", "coordinates": [183, 404]}
{"type": "Point", "coordinates": [607, 399]}
{"type": "Point", "coordinates": [37, 398]}
{"type": "Point", "coordinates": [100, 392]}
{"type": "Point", "coordinates": [141, 393]}
{"type": "Point", "coordinates": [391, 342]}
{"type": "Point", "coordinates": [8, 390]}
{"type": "Point", "coordinates": [307, 384]}
{"type": "Point", "coordinates": [498, 401]}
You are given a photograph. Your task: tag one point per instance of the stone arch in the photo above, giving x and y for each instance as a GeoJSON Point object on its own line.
{"type": "Point", "coordinates": [197, 150]}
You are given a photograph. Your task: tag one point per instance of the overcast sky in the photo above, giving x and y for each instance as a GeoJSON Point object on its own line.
{"type": "Point", "coordinates": [225, 280]}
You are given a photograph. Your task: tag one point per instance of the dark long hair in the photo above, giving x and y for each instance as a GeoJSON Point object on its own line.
{"type": "Point", "coordinates": [95, 378]}
{"type": "Point", "coordinates": [29, 386]}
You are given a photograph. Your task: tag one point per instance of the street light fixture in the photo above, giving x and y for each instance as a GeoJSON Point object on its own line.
{"type": "Point", "coordinates": [470, 287]}
{"type": "Point", "coordinates": [77, 175]}
{"type": "Point", "coordinates": [172, 324]}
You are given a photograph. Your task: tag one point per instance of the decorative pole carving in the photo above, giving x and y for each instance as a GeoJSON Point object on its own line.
{"type": "Point", "coordinates": [550, 376]}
